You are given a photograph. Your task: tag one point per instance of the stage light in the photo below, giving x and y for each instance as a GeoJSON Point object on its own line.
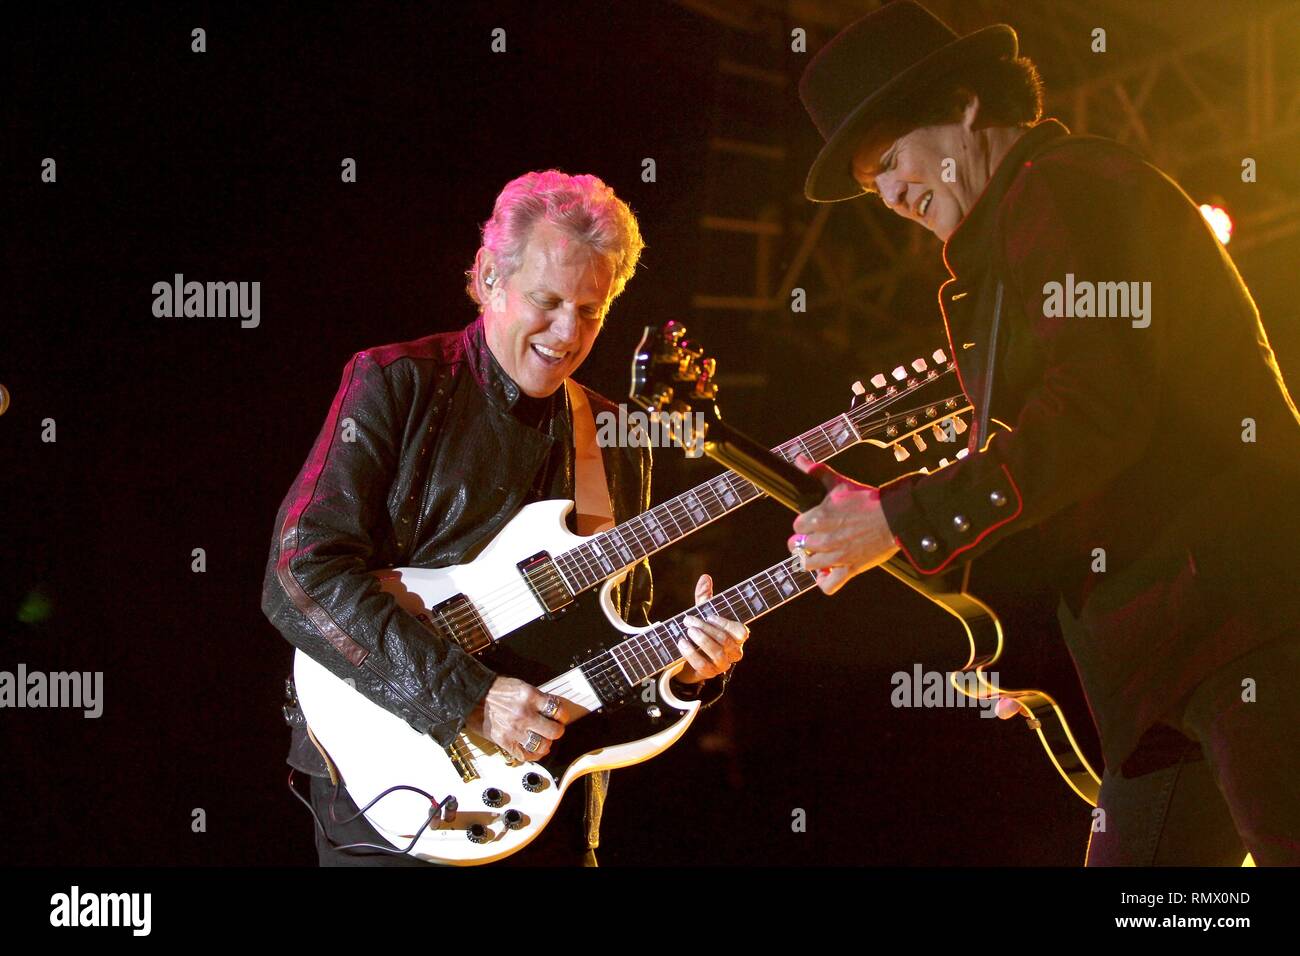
{"type": "Point", "coordinates": [1219, 221]}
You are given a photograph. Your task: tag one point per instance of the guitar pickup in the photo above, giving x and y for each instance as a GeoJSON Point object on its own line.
{"type": "Point", "coordinates": [457, 619]}
{"type": "Point", "coordinates": [544, 580]}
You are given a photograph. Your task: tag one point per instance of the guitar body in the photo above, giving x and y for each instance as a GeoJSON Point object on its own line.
{"type": "Point", "coordinates": [488, 597]}
{"type": "Point", "coordinates": [953, 590]}
{"type": "Point", "coordinates": [374, 750]}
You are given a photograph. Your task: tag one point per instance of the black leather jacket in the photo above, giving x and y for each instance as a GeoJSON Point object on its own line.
{"type": "Point", "coordinates": [419, 463]}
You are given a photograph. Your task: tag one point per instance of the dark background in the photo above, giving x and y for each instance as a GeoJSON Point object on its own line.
{"type": "Point", "coordinates": [175, 434]}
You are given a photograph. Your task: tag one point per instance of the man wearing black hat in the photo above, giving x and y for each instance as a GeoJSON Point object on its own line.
{"type": "Point", "coordinates": [1154, 453]}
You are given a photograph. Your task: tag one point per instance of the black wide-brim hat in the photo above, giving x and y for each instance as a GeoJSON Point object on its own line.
{"type": "Point", "coordinates": [873, 64]}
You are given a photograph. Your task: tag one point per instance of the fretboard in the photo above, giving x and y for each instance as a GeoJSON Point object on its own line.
{"type": "Point", "coordinates": [616, 671]}
{"type": "Point", "coordinates": [606, 554]}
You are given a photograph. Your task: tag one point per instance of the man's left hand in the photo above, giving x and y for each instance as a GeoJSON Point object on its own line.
{"type": "Point", "coordinates": [717, 642]}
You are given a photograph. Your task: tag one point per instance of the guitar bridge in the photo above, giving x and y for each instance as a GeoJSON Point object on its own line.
{"type": "Point", "coordinates": [461, 760]}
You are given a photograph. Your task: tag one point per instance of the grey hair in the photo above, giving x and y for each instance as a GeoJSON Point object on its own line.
{"type": "Point", "coordinates": [582, 205]}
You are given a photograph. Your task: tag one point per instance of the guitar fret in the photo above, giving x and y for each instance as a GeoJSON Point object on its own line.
{"type": "Point", "coordinates": [661, 657]}
{"type": "Point", "coordinates": [696, 510]}
{"type": "Point", "coordinates": [668, 513]}
{"type": "Point", "coordinates": [582, 566]}
{"type": "Point", "coordinates": [667, 646]}
{"type": "Point", "coordinates": [725, 494]}
{"type": "Point", "coordinates": [783, 582]}
{"type": "Point", "coordinates": [643, 656]}
{"type": "Point", "coordinates": [657, 534]}
{"type": "Point", "coordinates": [619, 655]}
{"type": "Point", "coordinates": [621, 547]}
{"type": "Point", "coordinates": [601, 559]}
{"type": "Point", "coordinates": [849, 428]}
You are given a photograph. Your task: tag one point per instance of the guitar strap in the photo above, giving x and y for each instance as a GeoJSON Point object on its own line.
{"type": "Point", "coordinates": [590, 490]}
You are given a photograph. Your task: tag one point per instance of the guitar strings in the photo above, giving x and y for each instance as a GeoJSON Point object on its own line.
{"type": "Point", "coordinates": [606, 663]}
{"type": "Point", "coordinates": [492, 603]}
{"type": "Point", "coordinates": [495, 603]}
{"type": "Point", "coordinates": [821, 441]}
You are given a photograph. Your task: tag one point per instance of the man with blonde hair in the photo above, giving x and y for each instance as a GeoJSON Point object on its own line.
{"type": "Point", "coordinates": [454, 433]}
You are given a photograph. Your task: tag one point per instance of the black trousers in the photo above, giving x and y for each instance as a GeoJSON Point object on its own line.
{"type": "Point", "coordinates": [1226, 778]}
{"type": "Point", "coordinates": [560, 844]}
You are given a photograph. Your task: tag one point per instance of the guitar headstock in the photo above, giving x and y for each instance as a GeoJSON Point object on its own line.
{"type": "Point", "coordinates": [670, 373]}
{"type": "Point", "coordinates": [919, 406]}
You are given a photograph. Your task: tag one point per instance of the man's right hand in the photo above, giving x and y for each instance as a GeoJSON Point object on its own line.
{"type": "Point", "coordinates": [512, 710]}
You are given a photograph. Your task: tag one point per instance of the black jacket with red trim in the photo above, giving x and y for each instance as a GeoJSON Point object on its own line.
{"type": "Point", "coordinates": [1165, 445]}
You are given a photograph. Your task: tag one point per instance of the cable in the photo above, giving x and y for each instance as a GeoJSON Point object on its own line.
{"type": "Point", "coordinates": [436, 805]}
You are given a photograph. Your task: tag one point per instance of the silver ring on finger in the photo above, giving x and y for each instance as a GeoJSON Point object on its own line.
{"type": "Point", "coordinates": [551, 707]}
{"type": "Point", "coordinates": [533, 742]}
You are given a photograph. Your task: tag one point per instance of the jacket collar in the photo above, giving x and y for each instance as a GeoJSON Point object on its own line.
{"type": "Point", "coordinates": [969, 246]}
{"type": "Point", "coordinates": [494, 381]}
{"type": "Point", "coordinates": [499, 387]}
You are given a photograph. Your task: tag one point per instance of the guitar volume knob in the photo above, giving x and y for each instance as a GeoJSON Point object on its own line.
{"type": "Point", "coordinates": [477, 833]}
{"type": "Point", "coordinates": [512, 819]}
{"type": "Point", "coordinates": [533, 782]}
{"type": "Point", "coordinates": [493, 797]}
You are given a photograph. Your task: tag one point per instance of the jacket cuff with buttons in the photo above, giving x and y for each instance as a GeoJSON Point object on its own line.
{"type": "Point", "coordinates": [938, 518]}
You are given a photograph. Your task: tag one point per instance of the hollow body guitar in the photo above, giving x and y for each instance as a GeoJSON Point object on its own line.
{"type": "Point", "coordinates": [955, 592]}
{"type": "Point", "coordinates": [664, 387]}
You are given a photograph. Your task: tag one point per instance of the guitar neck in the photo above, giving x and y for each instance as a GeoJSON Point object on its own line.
{"type": "Point", "coordinates": [603, 555]}
{"type": "Point", "coordinates": [655, 650]}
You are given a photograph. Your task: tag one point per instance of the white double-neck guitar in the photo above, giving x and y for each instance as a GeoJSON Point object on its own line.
{"type": "Point", "coordinates": [528, 605]}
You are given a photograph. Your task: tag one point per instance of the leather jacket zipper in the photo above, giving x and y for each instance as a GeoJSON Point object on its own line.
{"type": "Point", "coordinates": [400, 692]}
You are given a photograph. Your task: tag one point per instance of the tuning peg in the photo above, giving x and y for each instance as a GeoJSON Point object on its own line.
{"type": "Point", "coordinates": [899, 373]}
{"type": "Point", "coordinates": [901, 453]}
{"type": "Point", "coordinates": [879, 380]}
{"type": "Point", "coordinates": [937, 430]}
{"type": "Point", "coordinates": [859, 389]}
{"type": "Point", "coordinates": [943, 462]}
{"type": "Point", "coordinates": [918, 441]}
{"type": "Point", "coordinates": [919, 365]}
{"type": "Point", "coordinates": [958, 425]}
{"type": "Point", "coordinates": [925, 470]}
{"type": "Point", "coordinates": [939, 357]}
{"type": "Point", "coordinates": [963, 452]}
